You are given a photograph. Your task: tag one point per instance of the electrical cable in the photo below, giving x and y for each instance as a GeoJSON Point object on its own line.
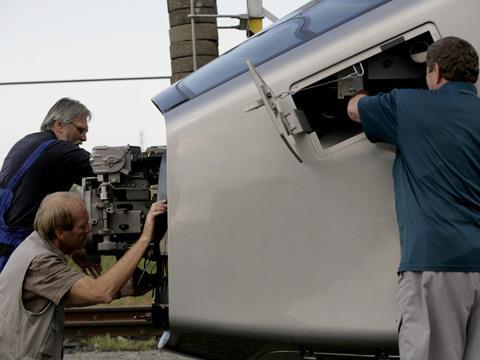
{"type": "Point", "coordinates": [84, 80]}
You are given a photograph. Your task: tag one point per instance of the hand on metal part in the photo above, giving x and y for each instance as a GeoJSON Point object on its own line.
{"type": "Point", "coordinates": [157, 208]}
{"type": "Point", "coordinates": [91, 268]}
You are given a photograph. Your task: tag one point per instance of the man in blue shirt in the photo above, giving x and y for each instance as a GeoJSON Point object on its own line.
{"type": "Point", "coordinates": [437, 194]}
{"type": "Point", "coordinates": [39, 164]}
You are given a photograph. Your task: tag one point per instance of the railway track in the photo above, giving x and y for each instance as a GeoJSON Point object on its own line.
{"type": "Point", "coordinates": [114, 320]}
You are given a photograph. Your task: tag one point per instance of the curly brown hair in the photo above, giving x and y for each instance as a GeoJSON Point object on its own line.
{"type": "Point", "coordinates": [456, 58]}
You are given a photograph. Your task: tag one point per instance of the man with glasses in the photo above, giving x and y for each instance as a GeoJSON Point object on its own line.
{"type": "Point", "coordinates": [39, 164]}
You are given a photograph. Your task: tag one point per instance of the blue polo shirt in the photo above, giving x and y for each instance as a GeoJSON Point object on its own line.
{"type": "Point", "coordinates": [436, 172]}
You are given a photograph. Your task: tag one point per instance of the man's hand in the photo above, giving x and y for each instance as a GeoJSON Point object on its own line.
{"type": "Point", "coordinates": [139, 284]}
{"type": "Point", "coordinates": [91, 268]}
{"type": "Point", "coordinates": [157, 208]}
{"type": "Point", "coordinates": [352, 107]}
{"type": "Point", "coordinates": [127, 290]}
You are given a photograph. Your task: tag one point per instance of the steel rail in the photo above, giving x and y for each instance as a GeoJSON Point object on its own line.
{"type": "Point", "coordinates": [112, 320]}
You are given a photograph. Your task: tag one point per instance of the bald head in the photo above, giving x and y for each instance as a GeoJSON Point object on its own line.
{"type": "Point", "coordinates": [57, 210]}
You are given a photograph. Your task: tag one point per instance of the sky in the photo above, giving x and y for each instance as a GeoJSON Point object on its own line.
{"type": "Point", "coordinates": [91, 39]}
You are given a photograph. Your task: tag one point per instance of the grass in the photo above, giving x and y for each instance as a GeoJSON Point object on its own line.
{"type": "Point", "coordinates": [108, 343]}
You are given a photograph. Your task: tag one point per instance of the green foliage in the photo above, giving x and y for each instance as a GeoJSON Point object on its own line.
{"type": "Point", "coordinates": [108, 343]}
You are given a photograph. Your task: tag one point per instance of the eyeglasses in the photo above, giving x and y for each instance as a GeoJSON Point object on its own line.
{"type": "Point", "coordinates": [80, 129]}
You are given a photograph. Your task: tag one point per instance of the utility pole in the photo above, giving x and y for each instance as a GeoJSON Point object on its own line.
{"type": "Point", "coordinates": [254, 17]}
{"type": "Point", "coordinates": [194, 31]}
{"type": "Point", "coordinates": [193, 40]}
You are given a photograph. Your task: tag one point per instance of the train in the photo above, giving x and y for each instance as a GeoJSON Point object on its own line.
{"type": "Point", "coordinates": [281, 224]}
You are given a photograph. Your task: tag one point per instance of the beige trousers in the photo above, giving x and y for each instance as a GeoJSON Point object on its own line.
{"type": "Point", "coordinates": [439, 315]}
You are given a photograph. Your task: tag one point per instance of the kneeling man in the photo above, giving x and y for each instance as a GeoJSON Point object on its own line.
{"type": "Point", "coordinates": [37, 283]}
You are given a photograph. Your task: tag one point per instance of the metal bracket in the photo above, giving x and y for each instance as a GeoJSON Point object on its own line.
{"type": "Point", "coordinates": [280, 121]}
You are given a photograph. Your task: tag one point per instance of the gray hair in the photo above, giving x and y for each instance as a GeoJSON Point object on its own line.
{"type": "Point", "coordinates": [65, 110]}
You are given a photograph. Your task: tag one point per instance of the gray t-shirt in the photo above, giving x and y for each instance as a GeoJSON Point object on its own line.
{"type": "Point", "coordinates": [48, 278]}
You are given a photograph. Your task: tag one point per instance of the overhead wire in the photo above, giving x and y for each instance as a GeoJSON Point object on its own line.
{"type": "Point", "coordinates": [38, 82]}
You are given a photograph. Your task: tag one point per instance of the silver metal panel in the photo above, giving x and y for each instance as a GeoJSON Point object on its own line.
{"type": "Point", "coordinates": [262, 244]}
